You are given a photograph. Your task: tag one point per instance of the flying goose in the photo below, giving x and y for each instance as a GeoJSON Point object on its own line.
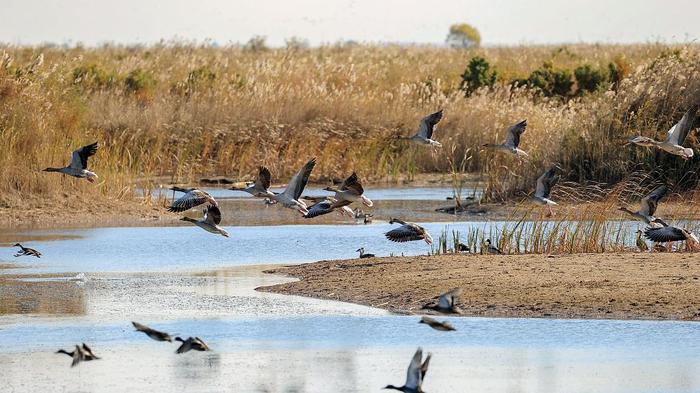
{"type": "Point", "coordinates": [513, 134]}
{"type": "Point", "coordinates": [647, 207]}
{"type": "Point", "coordinates": [415, 375]}
{"type": "Point", "coordinates": [672, 234]}
{"type": "Point", "coordinates": [260, 188]}
{"type": "Point", "coordinates": [491, 249]}
{"type": "Point", "coordinates": [443, 326]}
{"type": "Point", "coordinates": [152, 333]}
{"type": "Point", "coordinates": [351, 190]}
{"type": "Point", "coordinates": [79, 164]}
{"type": "Point", "coordinates": [210, 221]}
{"type": "Point", "coordinates": [425, 130]}
{"type": "Point", "coordinates": [447, 302]}
{"type": "Point", "coordinates": [79, 354]}
{"type": "Point", "coordinates": [407, 232]}
{"type": "Point", "coordinates": [361, 250]}
{"type": "Point", "coordinates": [26, 251]}
{"type": "Point", "coordinates": [193, 197]}
{"type": "Point", "coordinates": [545, 183]}
{"type": "Point", "coordinates": [327, 205]}
{"type": "Point", "coordinates": [289, 198]}
{"type": "Point", "coordinates": [673, 143]}
{"type": "Point", "coordinates": [191, 344]}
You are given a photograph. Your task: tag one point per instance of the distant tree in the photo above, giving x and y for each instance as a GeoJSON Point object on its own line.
{"type": "Point", "coordinates": [463, 35]}
{"type": "Point", "coordinates": [257, 43]}
{"type": "Point", "coordinates": [296, 43]}
{"type": "Point", "coordinates": [479, 73]}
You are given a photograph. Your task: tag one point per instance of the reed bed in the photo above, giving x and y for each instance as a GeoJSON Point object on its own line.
{"type": "Point", "coordinates": [180, 111]}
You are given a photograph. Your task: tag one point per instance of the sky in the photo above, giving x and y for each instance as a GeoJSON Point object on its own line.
{"type": "Point", "coordinates": [501, 22]}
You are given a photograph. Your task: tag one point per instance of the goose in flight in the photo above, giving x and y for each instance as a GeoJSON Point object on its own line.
{"type": "Point", "coordinates": [191, 344]}
{"type": "Point", "coordinates": [425, 130]}
{"type": "Point", "coordinates": [443, 326]}
{"type": "Point", "coordinates": [415, 375]}
{"type": "Point", "coordinates": [447, 302]}
{"type": "Point", "coordinates": [260, 188]}
{"type": "Point", "coordinates": [675, 138]}
{"type": "Point", "coordinates": [193, 197]}
{"type": "Point", "coordinates": [79, 164]}
{"type": "Point", "coordinates": [79, 354]}
{"type": "Point", "coordinates": [26, 251]}
{"type": "Point", "coordinates": [210, 221]}
{"type": "Point", "coordinates": [325, 205]}
{"type": "Point", "coordinates": [491, 249]}
{"type": "Point", "coordinates": [152, 333]}
{"type": "Point", "coordinates": [351, 190]}
{"type": "Point", "coordinates": [361, 250]}
{"type": "Point", "coordinates": [545, 183]}
{"type": "Point", "coordinates": [672, 234]}
{"type": "Point", "coordinates": [647, 208]}
{"type": "Point", "coordinates": [513, 134]}
{"type": "Point", "coordinates": [289, 198]}
{"type": "Point", "coordinates": [407, 232]}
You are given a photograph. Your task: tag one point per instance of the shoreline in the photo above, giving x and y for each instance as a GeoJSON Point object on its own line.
{"type": "Point", "coordinates": [621, 286]}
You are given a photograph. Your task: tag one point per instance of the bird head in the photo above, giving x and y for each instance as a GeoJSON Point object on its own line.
{"type": "Point", "coordinates": [17, 245]}
{"type": "Point", "coordinates": [392, 220]}
{"type": "Point", "coordinates": [488, 241]}
{"type": "Point", "coordinates": [360, 249]}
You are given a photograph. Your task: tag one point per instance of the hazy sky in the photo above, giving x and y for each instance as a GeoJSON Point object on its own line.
{"type": "Point", "coordinates": [319, 21]}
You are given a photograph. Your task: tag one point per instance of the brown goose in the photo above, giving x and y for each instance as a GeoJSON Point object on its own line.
{"type": "Point", "coordinates": [260, 188]}
{"type": "Point", "coordinates": [513, 134]}
{"type": "Point", "coordinates": [672, 234]}
{"type": "Point", "coordinates": [325, 205]}
{"type": "Point", "coordinates": [193, 197]}
{"type": "Point", "coordinates": [210, 221]}
{"type": "Point", "coordinates": [407, 232]}
{"type": "Point", "coordinates": [647, 207]}
{"type": "Point", "coordinates": [289, 198]}
{"type": "Point", "coordinates": [351, 190]}
{"type": "Point", "coordinates": [673, 143]}
{"type": "Point", "coordinates": [79, 163]}
{"type": "Point", "coordinates": [415, 375]}
{"type": "Point", "coordinates": [191, 344]}
{"type": "Point", "coordinates": [425, 130]}
{"type": "Point", "coordinates": [80, 354]}
{"type": "Point", "coordinates": [447, 302]}
{"type": "Point", "coordinates": [152, 333]}
{"type": "Point", "coordinates": [26, 251]}
{"type": "Point", "coordinates": [443, 326]}
{"type": "Point", "coordinates": [545, 183]}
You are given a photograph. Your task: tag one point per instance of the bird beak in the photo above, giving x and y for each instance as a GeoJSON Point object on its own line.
{"type": "Point", "coordinates": [428, 239]}
{"type": "Point", "coordinates": [366, 201]}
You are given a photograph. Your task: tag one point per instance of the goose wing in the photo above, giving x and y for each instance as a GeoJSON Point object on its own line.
{"type": "Point", "coordinates": [405, 233]}
{"type": "Point", "coordinates": [513, 133]}
{"type": "Point", "coordinates": [450, 298]}
{"type": "Point", "coordinates": [665, 234]}
{"type": "Point", "coordinates": [212, 215]}
{"type": "Point", "coordinates": [546, 182]}
{"type": "Point", "coordinates": [87, 351]}
{"type": "Point", "coordinates": [191, 199]}
{"type": "Point", "coordinates": [427, 124]}
{"type": "Point", "coordinates": [352, 183]}
{"type": "Point", "coordinates": [319, 209]}
{"type": "Point", "coordinates": [145, 329]}
{"type": "Point", "coordinates": [185, 346]}
{"type": "Point", "coordinates": [679, 131]}
{"type": "Point", "coordinates": [264, 178]}
{"type": "Point", "coordinates": [299, 180]}
{"type": "Point", "coordinates": [80, 156]}
{"type": "Point", "coordinates": [424, 366]}
{"type": "Point", "coordinates": [413, 376]}
{"type": "Point", "coordinates": [78, 356]}
{"type": "Point", "coordinates": [201, 343]}
{"type": "Point", "coordinates": [649, 203]}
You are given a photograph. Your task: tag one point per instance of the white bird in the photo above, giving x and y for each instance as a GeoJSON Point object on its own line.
{"type": "Point", "coordinates": [210, 221]}
{"type": "Point", "coordinates": [544, 188]}
{"type": "Point", "coordinates": [513, 134]}
{"type": "Point", "coordinates": [260, 188]}
{"type": "Point", "coordinates": [351, 190]}
{"type": "Point", "coordinates": [415, 375]}
{"type": "Point", "coordinates": [647, 207]}
{"type": "Point", "coordinates": [407, 232]}
{"type": "Point", "coordinates": [675, 138]}
{"type": "Point", "coordinates": [672, 234]}
{"type": "Point", "coordinates": [289, 198]}
{"type": "Point", "coordinates": [79, 164]}
{"type": "Point", "coordinates": [193, 197]}
{"type": "Point", "coordinates": [425, 130]}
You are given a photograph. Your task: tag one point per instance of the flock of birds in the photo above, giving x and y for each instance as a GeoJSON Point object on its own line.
{"type": "Point", "coordinates": [352, 191]}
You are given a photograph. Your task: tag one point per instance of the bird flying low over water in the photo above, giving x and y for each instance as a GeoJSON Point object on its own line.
{"type": "Point", "coordinates": [673, 234]}
{"type": "Point", "coordinates": [260, 188]}
{"type": "Point", "coordinates": [289, 198]}
{"type": "Point", "coordinates": [447, 302]}
{"type": "Point", "coordinates": [79, 354]}
{"type": "Point", "coordinates": [351, 190]}
{"type": "Point", "coordinates": [193, 197]}
{"type": "Point", "coordinates": [415, 375]}
{"type": "Point", "coordinates": [210, 221]}
{"type": "Point", "coordinates": [327, 205]}
{"type": "Point", "coordinates": [191, 344]}
{"type": "Point", "coordinates": [26, 251]}
{"type": "Point", "coordinates": [79, 164]}
{"type": "Point", "coordinates": [425, 130]}
{"type": "Point", "coordinates": [513, 134]}
{"type": "Point", "coordinates": [152, 333]}
{"type": "Point", "coordinates": [443, 326]}
{"type": "Point", "coordinates": [647, 208]}
{"type": "Point", "coordinates": [675, 138]}
{"type": "Point", "coordinates": [407, 232]}
{"type": "Point", "coordinates": [545, 183]}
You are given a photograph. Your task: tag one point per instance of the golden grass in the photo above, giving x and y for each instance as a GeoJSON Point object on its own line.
{"type": "Point", "coordinates": [186, 111]}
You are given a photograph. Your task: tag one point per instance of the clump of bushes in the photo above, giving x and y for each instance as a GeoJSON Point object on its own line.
{"type": "Point", "coordinates": [478, 74]}
{"type": "Point", "coordinates": [589, 79]}
{"type": "Point", "coordinates": [139, 81]}
{"type": "Point", "coordinates": [92, 76]}
{"type": "Point", "coordinates": [197, 80]}
{"type": "Point", "coordinates": [549, 81]}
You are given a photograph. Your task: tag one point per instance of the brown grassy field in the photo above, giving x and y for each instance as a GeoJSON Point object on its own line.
{"type": "Point", "coordinates": [185, 111]}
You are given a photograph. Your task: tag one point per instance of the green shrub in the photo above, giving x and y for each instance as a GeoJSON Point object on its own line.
{"type": "Point", "coordinates": [139, 81]}
{"type": "Point", "coordinates": [550, 81]}
{"type": "Point", "coordinates": [91, 76]}
{"type": "Point", "coordinates": [618, 70]}
{"type": "Point", "coordinates": [478, 74]}
{"type": "Point", "coordinates": [590, 79]}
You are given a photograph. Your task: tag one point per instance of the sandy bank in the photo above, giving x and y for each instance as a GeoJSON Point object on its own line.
{"type": "Point", "coordinates": [618, 286]}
